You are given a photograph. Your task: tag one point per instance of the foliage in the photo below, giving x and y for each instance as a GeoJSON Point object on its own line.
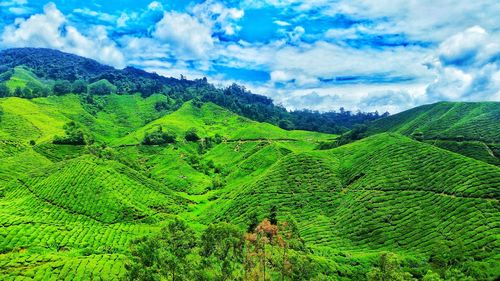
{"type": "Point", "coordinates": [164, 256]}
{"type": "Point", "coordinates": [159, 137]}
{"type": "Point", "coordinates": [101, 87]}
{"type": "Point", "coordinates": [388, 269]}
{"type": "Point", "coordinates": [74, 135]}
{"type": "Point", "coordinates": [222, 249]}
{"type": "Point", "coordinates": [79, 87]}
{"type": "Point", "coordinates": [192, 135]}
{"type": "Point", "coordinates": [62, 87]}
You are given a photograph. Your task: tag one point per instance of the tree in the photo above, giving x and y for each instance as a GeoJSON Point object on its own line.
{"type": "Point", "coordinates": [222, 244]}
{"type": "Point", "coordinates": [431, 276]}
{"type": "Point", "coordinates": [74, 135]}
{"type": "Point", "coordinates": [254, 221]}
{"type": "Point", "coordinates": [79, 87]}
{"type": "Point", "coordinates": [164, 256]}
{"type": "Point", "coordinates": [161, 105]}
{"type": "Point", "coordinates": [61, 87]}
{"type": "Point", "coordinates": [4, 91]}
{"type": "Point", "coordinates": [388, 269]}
{"type": "Point", "coordinates": [159, 137]}
{"type": "Point", "coordinates": [273, 215]}
{"type": "Point", "coordinates": [192, 135]}
{"type": "Point", "coordinates": [101, 87]}
{"type": "Point", "coordinates": [18, 92]}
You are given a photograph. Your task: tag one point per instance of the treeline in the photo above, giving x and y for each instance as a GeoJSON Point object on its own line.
{"type": "Point", "coordinates": [272, 250]}
{"type": "Point", "coordinates": [65, 73]}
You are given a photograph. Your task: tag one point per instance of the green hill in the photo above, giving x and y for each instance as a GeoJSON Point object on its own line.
{"type": "Point", "coordinates": [468, 128]}
{"type": "Point", "coordinates": [70, 211]}
{"type": "Point", "coordinates": [381, 193]}
{"type": "Point", "coordinates": [446, 120]}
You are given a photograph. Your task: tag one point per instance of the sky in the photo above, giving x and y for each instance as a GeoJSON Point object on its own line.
{"type": "Point", "coordinates": [318, 54]}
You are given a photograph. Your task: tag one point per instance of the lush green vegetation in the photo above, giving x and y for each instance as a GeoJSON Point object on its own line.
{"type": "Point", "coordinates": [145, 186]}
{"type": "Point", "coordinates": [23, 69]}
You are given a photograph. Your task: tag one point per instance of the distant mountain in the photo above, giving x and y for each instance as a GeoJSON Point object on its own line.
{"type": "Point", "coordinates": [65, 73]}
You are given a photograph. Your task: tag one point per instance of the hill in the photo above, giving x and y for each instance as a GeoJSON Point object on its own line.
{"type": "Point", "coordinates": [55, 72]}
{"type": "Point", "coordinates": [446, 121]}
{"type": "Point", "coordinates": [382, 192]}
{"type": "Point", "coordinates": [89, 181]}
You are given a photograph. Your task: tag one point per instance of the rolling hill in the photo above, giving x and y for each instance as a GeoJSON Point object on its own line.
{"type": "Point", "coordinates": [468, 128]}
{"type": "Point", "coordinates": [423, 184]}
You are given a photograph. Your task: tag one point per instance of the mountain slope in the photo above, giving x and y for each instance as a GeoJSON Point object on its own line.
{"type": "Point", "coordinates": [446, 120]}
{"type": "Point", "coordinates": [382, 192]}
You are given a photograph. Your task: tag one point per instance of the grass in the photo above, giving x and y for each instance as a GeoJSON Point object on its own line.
{"type": "Point", "coordinates": [69, 212]}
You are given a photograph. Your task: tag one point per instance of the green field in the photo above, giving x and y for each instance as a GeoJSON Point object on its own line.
{"type": "Point", "coordinates": [70, 211]}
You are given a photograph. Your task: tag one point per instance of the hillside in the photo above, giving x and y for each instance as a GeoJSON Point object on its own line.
{"type": "Point", "coordinates": [93, 183]}
{"type": "Point", "coordinates": [446, 121]}
{"type": "Point", "coordinates": [378, 193]}
{"type": "Point", "coordinates": [38, 72]}
{"type": "Point", "coordinates": [383, 193]}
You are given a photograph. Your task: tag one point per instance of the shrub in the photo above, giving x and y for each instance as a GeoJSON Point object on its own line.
{"type": "Point", "coordinates": [101, 87]}
{"type": "Point", "coordinates": [79, 87]}
{"type": "Point", "coordinates": [159, 137]}
{"type": "Point", "coordinates": [192, 135]}
{"type": "Point", "coordinates": [73, 135]}
{"type": "Point", "coordinates": [61, 87]}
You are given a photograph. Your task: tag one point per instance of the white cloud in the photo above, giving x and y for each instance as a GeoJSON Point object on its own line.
{"type": "Point", "coordinates": [98, 15]}
{"type": "Point", "coordinates": [186, 35]}
{"type": "Point", "coordinates": [51, 30]}
{"type": "Point", "coordinates": [282, 23]}
{"type": "Point", "coordinates": [218, 17]}
{"type": "Point", "coordinates": [13, 3]}
{"type": "Point", "coordinates": [122, 20]}
{"type": "Point", "coordinates": [467, 66]}
{"type": "Point", "coordinates": [155, 5]}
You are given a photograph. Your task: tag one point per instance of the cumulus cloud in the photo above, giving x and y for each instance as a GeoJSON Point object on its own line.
{"type": "Point", "coordinates": [185, 34]}
{"type": "Point", "coordinates": [467, 65]}
{"type": "Point", "coordinates": [52, 30]}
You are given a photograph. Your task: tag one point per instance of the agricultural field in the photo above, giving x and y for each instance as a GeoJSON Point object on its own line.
{"type": "Point", "coordinates": [71, 211]}
{"type": "Point", "coordinates": [144, 177]}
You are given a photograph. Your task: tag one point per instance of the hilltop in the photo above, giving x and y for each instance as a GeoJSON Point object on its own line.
{"type": "Point", "coordinates": [468, 128]}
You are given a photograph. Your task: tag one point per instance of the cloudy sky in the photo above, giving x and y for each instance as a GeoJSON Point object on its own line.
{"type": "Point", "coordinates": [319, 54]}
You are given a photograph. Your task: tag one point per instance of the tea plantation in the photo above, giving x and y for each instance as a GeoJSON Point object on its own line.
{"type": "Point", "coordinates": [72, 211]}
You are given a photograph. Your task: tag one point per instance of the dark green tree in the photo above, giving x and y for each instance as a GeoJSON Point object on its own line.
{"type": "Point", "coordinates": [4, 91]}
{"type": "Point", "coordinates": [79, 87]}
{"type": "Point", "coordinates": [192, 135]}
{"type": "Point", "coordinates": [61, 87]}
{"type": "Point", "coordinates": [222, 245]}
{"type": "Point", "coordinates": [273, 213]}
{"type": "Point", "coordinates": [165, 256]}
{"type": "Point", "coordinates": [388, 269]}
{"type": "Point", "coordinates": [159, 137]}
{"type": "Point", "coordinates": [101, 87]}
{"type": "Point", "coordinates": [74, 135]}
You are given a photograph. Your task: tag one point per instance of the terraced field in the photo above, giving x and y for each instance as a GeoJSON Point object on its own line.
{"type": "Point", "coordinates": [383, 192]}
{"type": "Point", "coordinates": [446, 120]}
{"type": "Point", "coordinates": [70, 211]}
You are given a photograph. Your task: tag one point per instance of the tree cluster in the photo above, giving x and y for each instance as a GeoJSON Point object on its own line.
{"type": "Point", "coordinates": [74, 135]}
{"type": "Point", "coordinates": [159, 137]}
{"type": "Point", "coordinates": [223, 252]}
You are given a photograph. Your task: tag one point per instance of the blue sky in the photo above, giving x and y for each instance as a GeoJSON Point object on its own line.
{"type": "Point", "coordinates": [319, 54]}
